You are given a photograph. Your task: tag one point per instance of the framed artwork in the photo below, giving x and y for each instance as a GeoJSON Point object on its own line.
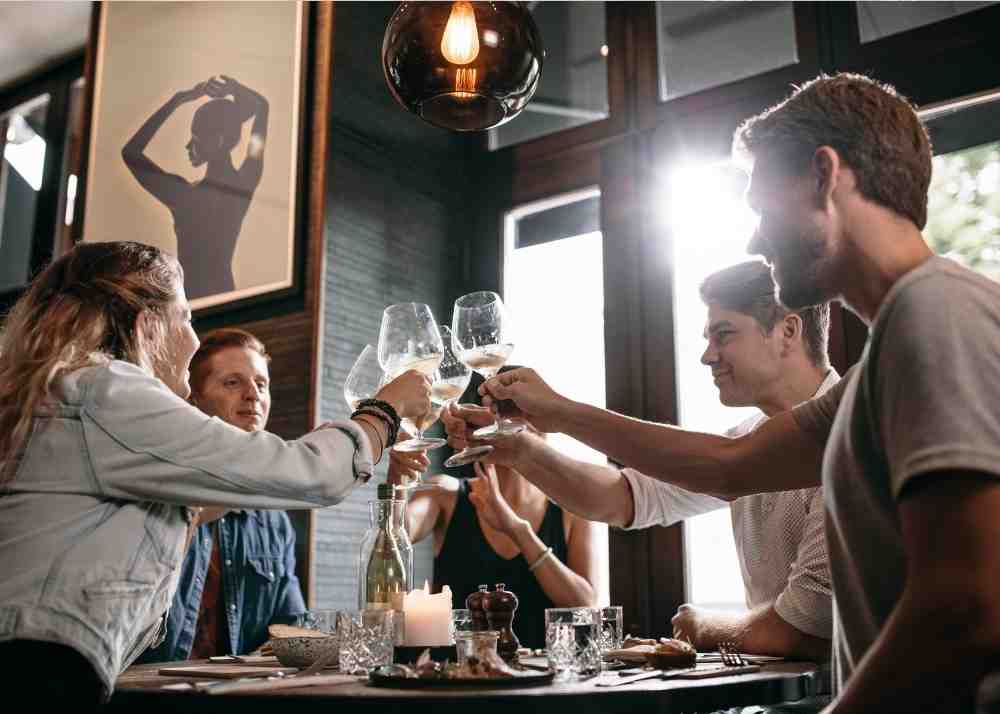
{"type": "Point", "coordinates": [197, 142]}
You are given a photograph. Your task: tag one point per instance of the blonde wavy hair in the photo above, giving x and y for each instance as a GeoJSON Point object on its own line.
{"type": "Point", "coordinates": [83, 309]}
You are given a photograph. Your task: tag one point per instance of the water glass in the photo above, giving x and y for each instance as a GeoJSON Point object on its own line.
{"type": "Point", "coordinates": [470, 644]}
{"type": "Point", "coordinates": [612, 628]}
{"type": "Point", "coordinates": [319, 620]}
{"type": "Point", "coordinates": [461, 621]}
{"type": "Point", "coordinates": [572, 640]}
{"type": "Point", "coordinates": [366, 639]}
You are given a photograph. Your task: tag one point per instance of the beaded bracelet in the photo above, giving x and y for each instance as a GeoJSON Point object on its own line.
{"type": "Point", "coordinates": [381, 417]}
{"type": "Point", "coordinates": [392, 418]}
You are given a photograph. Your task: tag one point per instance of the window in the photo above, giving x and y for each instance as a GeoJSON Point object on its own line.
{"type": "Point", "coordinates": [710, 225]}
{"type": "Point", "coordinates": [707, 44]}
{"type": "Point", "coordinates": [23, 148]}
{"type": "Point", "coordinates": [963, 211]}
{"type": "Point", "coordinates": [573, 89]}
{"type": "Point", "coordinates": [881, 19]}
{"type": "Point", "coordinates": [554, 290]}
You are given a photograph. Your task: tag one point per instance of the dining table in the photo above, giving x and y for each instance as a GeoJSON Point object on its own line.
{"type": "Point", "coordinates": [142, 689]}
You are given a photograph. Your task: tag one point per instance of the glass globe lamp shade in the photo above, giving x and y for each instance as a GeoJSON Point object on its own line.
{"type": "Point", "coordinates": [465, 66]}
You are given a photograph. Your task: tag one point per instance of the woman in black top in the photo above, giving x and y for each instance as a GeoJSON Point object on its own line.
{"type": "Point", "coordinates": [491, 528]}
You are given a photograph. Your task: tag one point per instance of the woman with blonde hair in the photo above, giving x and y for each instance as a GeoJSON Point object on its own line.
{"type": "Point", "coordinates": [101, 456]}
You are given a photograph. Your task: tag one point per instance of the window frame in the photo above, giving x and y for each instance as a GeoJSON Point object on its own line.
{"type": "Point", "coordinates": [55, 81]}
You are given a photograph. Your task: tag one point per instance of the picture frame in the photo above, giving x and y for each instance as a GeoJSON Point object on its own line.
{"type": "Point", "coordinates": [236, 209]}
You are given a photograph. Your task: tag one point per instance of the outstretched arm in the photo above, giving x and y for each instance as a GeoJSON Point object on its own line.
{"type": "Point", "coordinates": [781, 455]}
{"type": "Point", "coordinates": [249, 104]}
{"type": "Point", "coordinates": [164, 186]}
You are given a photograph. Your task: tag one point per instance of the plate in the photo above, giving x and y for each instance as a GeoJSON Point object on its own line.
{"type": "Point", "coordinates": [522, 679]}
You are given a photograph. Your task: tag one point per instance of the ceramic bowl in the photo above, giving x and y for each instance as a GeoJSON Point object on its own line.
{"type": "Point", "coordinates": [303, 651]}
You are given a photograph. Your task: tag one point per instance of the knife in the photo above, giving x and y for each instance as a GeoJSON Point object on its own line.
{"type": "Point", "coordinates": [617, 682]}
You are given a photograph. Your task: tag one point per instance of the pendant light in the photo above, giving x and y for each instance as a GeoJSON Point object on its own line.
{"type": "Point", "coordinates": [465, 66]}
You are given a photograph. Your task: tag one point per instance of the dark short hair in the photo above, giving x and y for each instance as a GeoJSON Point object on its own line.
{"type": "Point", "coordinates": [874, 129]}
{"type": "Point", "coordinates": [749, 288]}
{"type": "Point", "coordinates": [216, 341]}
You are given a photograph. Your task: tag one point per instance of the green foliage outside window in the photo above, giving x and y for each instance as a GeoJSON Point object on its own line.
{"type": "Point", "coordinates": [964, 210]}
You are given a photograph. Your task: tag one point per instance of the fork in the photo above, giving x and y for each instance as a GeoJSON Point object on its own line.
{"type": "Point", "coordinates": [730, 654]}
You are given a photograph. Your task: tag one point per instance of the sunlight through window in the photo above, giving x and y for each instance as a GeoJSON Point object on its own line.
{"type": "Point", "coordinates": [554, 289]}
{"type": "Point", "coordinates": [710, 225]}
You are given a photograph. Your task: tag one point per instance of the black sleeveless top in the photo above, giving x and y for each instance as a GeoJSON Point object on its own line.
{"type": "Point", "coordinates": [467, 560]}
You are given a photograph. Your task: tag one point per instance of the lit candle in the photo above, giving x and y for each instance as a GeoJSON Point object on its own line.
{"type": "Point", "coordinates": [427, 617]}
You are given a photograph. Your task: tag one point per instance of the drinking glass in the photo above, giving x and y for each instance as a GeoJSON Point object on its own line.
{"type": "Point", "coordinates": [409, 339]}
{"type": "Point", "coordinates": [319, 620]}
{"type": "Point", "coordinates": [365, 378]}
{"type": "Point", "coordinates": [475, 644]}
{"type": "Point", "coordinates": [571, 640]}
{"type": "Point", "coordinates": [612, 628]}
{"type": "Point", "coordinates": [482, 338]}
{"type": "Point", "coordinates": [366, 639]}
{"type": "Point", "coordinates": [461, 622]}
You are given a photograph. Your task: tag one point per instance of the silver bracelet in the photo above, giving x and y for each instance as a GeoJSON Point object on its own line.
{"type": "Point", "coordinates": [541, 559]}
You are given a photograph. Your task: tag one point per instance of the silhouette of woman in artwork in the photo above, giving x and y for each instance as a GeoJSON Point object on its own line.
{"type": "Point", "coordinates": [208, 214]}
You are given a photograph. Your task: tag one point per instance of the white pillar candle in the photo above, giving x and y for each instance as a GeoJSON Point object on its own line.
{"type": "Point", "coordinates": [427, 617]}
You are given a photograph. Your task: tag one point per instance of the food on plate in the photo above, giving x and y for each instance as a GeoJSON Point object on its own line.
{"type": "Point", "coordinates": [488, 666]}
{"type": "Point", "coordinates": [631, 641]}
{"type": "Point", "coordinates": [670, 654]}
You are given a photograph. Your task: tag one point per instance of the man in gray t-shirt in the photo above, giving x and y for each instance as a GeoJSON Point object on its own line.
{"type": "Point", "coordinates": [911, 471]}
{"type": "Point", "coordinates": [921, 407]}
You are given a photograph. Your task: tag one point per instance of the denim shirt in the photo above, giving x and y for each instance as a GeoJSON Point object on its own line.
{"type": "Point", "coordinates": [259, 586]}
{"type": "Point", "coordinates": [92, 522]}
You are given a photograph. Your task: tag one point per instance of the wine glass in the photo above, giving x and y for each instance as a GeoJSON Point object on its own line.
{"type": "Point", "coordinates": [450, 382]}
{"type": "Point", "coordinates": [452, 376]}
{"type": "Point", "coordinates": [365, 378]}
{"type": "Point", "coordinates": [482, 338]}
{"type": "Point", "coordinates": [409, 339]}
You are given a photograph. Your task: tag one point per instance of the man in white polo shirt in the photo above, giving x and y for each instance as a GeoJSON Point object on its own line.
{"type": "Point", "coordinates": [761, 355]}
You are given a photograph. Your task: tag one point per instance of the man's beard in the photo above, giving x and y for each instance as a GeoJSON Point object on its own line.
{"type": "Point", "coordinates": [798, 273]}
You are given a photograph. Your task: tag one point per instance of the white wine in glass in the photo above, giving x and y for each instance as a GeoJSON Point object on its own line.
{"type": "Point", "coordinates": [409, 339]}
{"type": "Point", "coordinates": [481, 337]}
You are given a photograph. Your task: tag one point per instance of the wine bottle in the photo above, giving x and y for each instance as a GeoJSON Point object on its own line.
{"type": "Point", "coordinates": [383, 576]}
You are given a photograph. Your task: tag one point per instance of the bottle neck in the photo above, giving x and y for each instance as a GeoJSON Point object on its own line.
{"type": "Point", "coordinates": [380, 514]}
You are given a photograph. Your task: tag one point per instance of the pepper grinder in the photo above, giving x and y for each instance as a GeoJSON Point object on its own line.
{"type": "Point", "coordinates": [500, 608]}
{"type": "Point", "coordinates": [476, 604]}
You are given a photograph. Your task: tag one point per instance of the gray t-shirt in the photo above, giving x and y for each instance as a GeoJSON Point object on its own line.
{"type": "Point", "coordinates": [923, 401]}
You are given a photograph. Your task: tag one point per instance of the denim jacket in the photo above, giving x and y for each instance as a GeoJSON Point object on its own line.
{"type": "Point", "coordinates": [92, 522]}
{"type": "Point", "coordinates": [259, 585]}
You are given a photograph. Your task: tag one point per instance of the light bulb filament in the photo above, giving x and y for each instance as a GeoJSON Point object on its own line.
{"type": "Point", "coordinates": [460, 42]}
{"type": "Point", "coordinates": [465, 79]}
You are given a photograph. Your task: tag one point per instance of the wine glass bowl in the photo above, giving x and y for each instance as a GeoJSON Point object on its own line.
{"type": "Point", "coordinates": [409, 339]}
{"type": "Point", "coordinates": [365, 378]}
{"type": "Point", "coordinates": [482, 338]}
